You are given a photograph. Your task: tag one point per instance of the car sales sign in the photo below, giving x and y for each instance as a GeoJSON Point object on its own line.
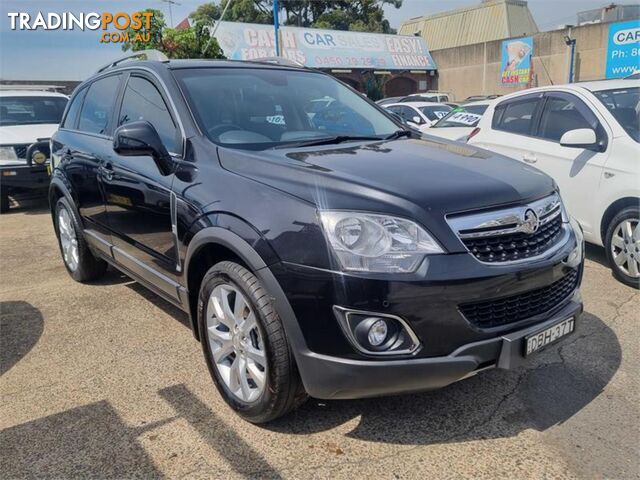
{"type": "Point", "coordinates": [319, 48]}
{"type": "Point", "coordinates": [623, 49]}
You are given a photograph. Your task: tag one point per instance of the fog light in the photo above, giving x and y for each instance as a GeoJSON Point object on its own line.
{"type": "Point", "coordinates": [377, 333]}
{"type": "Point", "coordinates": [38, 157]}
{"type": "Point", "coordinates": [374, 333]}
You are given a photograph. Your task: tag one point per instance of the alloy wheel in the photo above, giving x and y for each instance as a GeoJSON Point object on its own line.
{"type": "Point", "coordinates": [68, 239]}
{"type": "Point", "coordinates": [625, 247]}
{"type": "Point", "coordinates": [236, 343]}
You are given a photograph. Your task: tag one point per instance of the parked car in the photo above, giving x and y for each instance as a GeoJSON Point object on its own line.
{"type": "Point", "coordinates": [585, 136]}
{"type": "Point", "coordinates": [421, 115]}
{"type": "Point", "coordinates": [338, 264]}
{"type": "Point", "coordinates": [28, 118]}
{"type": "Point", "coordinates": [477, 98]}
{"type": "Point", "coordinates": [430, 96]}
{"type": "Point", "coordinates": [388, 100]}
{"type": "Point", "coordinates": [459, 122]}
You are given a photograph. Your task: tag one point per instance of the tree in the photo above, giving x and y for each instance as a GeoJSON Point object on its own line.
{"type": "Point", "coordinates": [356, 15]}
{"type": "Point", "coordinates": [192, 42]}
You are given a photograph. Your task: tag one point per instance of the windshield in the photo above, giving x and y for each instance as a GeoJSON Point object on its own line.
{"type": "Point", "coordinates": [435, 112]}
{"type": "Point", "coordinates": [624, 105]}
{"type": "Point", "coordinates": [263, 108]}
{"type": "Point", "coordinates": [31, 110]}
{"type": "Point", "coordinates": [463, 117]}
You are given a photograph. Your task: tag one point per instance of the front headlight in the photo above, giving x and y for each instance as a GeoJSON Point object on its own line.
{"type": "Point", "coordinates": [577, 254]}
{"type": "Point", "coordinates": [8, 153]}
{"type": "Point", "coordinates": [367, 242]}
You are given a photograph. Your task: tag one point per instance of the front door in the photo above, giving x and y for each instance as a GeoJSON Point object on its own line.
{"type": "Point", "coordinates": [577, 171]}
{"type": "Point", "coordinates": [138, 196]}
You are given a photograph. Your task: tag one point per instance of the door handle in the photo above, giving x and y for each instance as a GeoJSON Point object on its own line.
{"type": "Point", "coordinates": [530, 158]}
{"type": "Point", "coordinates": [106, 170]}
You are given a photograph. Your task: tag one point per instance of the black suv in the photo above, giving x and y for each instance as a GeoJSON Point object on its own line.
{"type": "Point", "coordinates": [319, 248]}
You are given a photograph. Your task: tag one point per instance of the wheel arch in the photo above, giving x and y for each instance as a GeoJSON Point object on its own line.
{"type": "Point", "coordinates": [57, 190]}
{"type": "Point", "coordinates": [612, 210]}
{"type": "Point", "coordinates": [208, 247]}
{"type": "Point", "coordinates": [218, 241]}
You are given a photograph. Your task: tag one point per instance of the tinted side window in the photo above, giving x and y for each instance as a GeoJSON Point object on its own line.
{"type": "Point", "coordinates": [515, 117]}
{"type": "Point", "coordinates": [142, 101]}
{"type": "Point", "coordinates": [562, 114]}
{"type": "Point", "coordinates": [71, 120]}
{"type": "Point", "coordinates": [98, 104]}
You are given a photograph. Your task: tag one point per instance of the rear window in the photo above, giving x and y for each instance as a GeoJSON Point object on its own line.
{"type": "Point", "coordinates": [516, 116]}
{"type": "Point", "coordinates": [98, 105]}
{"type": "Point", "coordinates": [71, 119]}
{"type": "Point", "coordinates": [30, 110]}
{"type": "Point", "coordinates": [463, 117]}
{"type": "Point", "coordinates": [435, 112]}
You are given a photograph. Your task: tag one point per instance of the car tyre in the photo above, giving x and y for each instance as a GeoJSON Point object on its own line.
{"type": "Point", "coordinates": [269, 387]}
{"type": "Point", "coordinates": [78, 259]}
{"type": "Point", "coordinates": [622, 243]}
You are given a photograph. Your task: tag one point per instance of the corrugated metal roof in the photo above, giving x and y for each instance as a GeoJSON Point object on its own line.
{"type": "Point", "coordinates": [490, 20]}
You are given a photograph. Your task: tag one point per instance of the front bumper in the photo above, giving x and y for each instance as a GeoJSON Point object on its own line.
{"type": "Point", "coordinates": [329, 377]}
{"type": "Point", "coordinates": [28, 177]}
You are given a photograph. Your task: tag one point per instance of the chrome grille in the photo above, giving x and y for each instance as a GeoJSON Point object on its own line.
{"type": "Point", "coordinates": [512, 234]}
{"type": "Point", "coordinates": [21, 150]}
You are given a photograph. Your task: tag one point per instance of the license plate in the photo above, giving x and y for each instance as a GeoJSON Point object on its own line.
{"type": "Point", "coordinates": [539, 340]}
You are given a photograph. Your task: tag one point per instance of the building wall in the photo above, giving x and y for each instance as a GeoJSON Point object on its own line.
{"type": "Point", "coordinates": [475, 69]}
{"type": "Point", "coordinates": [398, 83]}
{"type": "Point", "coordinates": [487, 21]}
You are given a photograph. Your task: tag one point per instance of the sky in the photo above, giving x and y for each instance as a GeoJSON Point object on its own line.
{"type": "Point", "coordinates": [74, 55]}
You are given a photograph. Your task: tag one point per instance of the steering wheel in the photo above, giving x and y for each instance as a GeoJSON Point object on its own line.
{"type": "Point", "coordinates": [218, 130]}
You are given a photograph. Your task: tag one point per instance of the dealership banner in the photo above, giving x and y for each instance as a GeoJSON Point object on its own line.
{"type": "Point", "coordinates": [623, 49]}
{"type": "Point", "coordinates": [319, 48]}
{"type": "Point", "coordinates": [516, 61]}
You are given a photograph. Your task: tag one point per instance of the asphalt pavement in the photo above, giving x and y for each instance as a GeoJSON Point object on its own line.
{"type": "Point", "coordinates": [106, 380]}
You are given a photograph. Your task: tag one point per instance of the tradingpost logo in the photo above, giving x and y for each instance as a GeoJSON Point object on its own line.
{"type": "Point", "coordinates": [114, 25]}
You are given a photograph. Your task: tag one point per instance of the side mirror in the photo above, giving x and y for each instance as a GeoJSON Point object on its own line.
{"type": "Point", "coordinates": [580, 138]}
{"type": "Point", "coordinates": [417, 120]}
{"type": "Point", "coordinates": [140, 139]}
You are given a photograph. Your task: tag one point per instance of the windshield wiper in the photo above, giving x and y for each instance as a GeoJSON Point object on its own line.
{"type": "Point", "coordinates": [398, 134]}
{"type": "Point", "coordinates": [329, 141]}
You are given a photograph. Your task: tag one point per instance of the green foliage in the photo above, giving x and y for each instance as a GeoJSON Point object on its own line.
{"type": "Point", "coordinates": [355, 15]}
{"type": "Point", "coordinates": [175, 43]}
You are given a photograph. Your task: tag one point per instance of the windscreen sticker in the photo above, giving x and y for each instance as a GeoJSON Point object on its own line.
{"type": "Point", "coordinates": [465, 118]}
{"type": "Point", "coordinates": [440, 114]}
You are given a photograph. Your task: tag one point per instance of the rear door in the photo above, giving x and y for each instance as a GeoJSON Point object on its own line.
{"type": "Point", "coordinates": [82, 145]}
{"type": "Point", "coordinates": [138, 196]}
{"type": "Point", "coordinates": [512, 127]}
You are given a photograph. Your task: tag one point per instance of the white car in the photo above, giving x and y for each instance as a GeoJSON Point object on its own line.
{"type": "Point", "coordinates": [420, 115]}
{"type": "Point", "coordinates": [586, 137]}
{"type": "Point", "coordinates": [460, 122]}
{"type": "Point", "coordinates": [28, 118]}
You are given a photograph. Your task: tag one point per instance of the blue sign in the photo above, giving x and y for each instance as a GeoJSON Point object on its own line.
{"type": "Point", "coordinates": [319, 48]}
{"type": "Point", "coordinates": [516, 61]}
{"type": "Point", "coordinates": [623, 50]}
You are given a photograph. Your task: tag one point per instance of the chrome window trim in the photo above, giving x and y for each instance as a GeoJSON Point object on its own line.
{"type": "Point", "coordinates": [342, 314]}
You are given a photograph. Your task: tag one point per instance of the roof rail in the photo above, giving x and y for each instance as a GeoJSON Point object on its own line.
{"type": "Point", "coordinates": [278, 61]}
{"type": "Point", "coordinates": [150, 54]}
